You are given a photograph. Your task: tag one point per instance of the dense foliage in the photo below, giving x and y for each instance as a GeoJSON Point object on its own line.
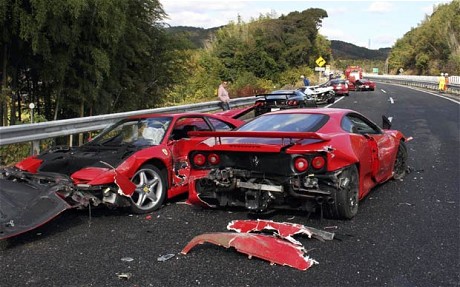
{"type": "Point", "coordinates": [83, 57]}
{"type": "Point", "coordinates": [433, 46]}
{"type": "Point", "coordinates": [266, 53]}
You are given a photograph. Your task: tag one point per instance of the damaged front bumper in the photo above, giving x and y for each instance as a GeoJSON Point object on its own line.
{"type": "Point", "coordinates": [29, 200]}
{"type": "Point", "coordinates": [26, 204]}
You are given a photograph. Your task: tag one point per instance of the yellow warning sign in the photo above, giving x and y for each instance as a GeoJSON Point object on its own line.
{"type": "Point", "coordinates": [320, 61]}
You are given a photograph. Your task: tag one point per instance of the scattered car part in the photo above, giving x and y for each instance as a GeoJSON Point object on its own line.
{"type": "Point", "coordinates": [284, 230]}
{"type": "Point", "coordinates": [269, 248]}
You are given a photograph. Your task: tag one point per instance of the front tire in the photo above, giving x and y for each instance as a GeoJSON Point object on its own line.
{"type": "Point", "coordinates": [345, 197]}
{"type": "Point", "coordinates": [400, 166]}
{"type": "Point", "coordinates": [150, 189]}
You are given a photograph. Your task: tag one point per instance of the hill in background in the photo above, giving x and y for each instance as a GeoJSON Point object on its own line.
{"type": "Point", "coordinates": [340, 50]}
{"type": "Point", "coordinates": [344, 50]}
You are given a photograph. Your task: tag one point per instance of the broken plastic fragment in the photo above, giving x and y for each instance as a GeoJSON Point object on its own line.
{"type": "Point", "coordinates": [165, 257]}
{"type": "Point", "coordinates": [283, 229]}
{"type": "Point", "coordinates": [127, 259]}
{"type": "Point", "coordinates": [125, 276]}
{"type": "Point", "coordinates": [272, 249]}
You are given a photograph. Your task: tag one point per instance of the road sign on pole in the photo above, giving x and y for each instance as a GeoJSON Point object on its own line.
{"type": "Point", "coordinates": [320, 61]}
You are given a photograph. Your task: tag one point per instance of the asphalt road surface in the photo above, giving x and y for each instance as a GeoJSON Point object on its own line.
{"type": "Point", "coordinates": [406, 232]}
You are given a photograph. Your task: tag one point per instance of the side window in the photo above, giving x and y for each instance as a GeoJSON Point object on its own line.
{"type": "Point", "coordinates": [220, 125]}
{"type": "Point", "coordinates": [187, 124]}
{"type": "Point", "coordinates": [358, 125]}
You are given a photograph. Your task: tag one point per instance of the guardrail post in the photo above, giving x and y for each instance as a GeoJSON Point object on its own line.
{"type": "Point", "coordinates": [35, 147]}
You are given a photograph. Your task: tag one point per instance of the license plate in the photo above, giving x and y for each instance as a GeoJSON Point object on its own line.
{"type": "Point", "coordinates": [275, 109]}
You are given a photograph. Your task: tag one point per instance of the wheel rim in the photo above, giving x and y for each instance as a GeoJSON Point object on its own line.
{"type": "Point", "coordinates": [148, 189]}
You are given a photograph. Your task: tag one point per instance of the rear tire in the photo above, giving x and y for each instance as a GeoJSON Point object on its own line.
{"type": "Point", "coordinates": [345, 196]}
{"type": "Point", "coordinates": [400, 166]}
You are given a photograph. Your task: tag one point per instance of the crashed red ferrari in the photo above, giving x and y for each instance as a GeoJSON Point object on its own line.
{"type": "Point", "coordinates": [305, 159]}
{"type": "Point", "coordinates": [136, 162]}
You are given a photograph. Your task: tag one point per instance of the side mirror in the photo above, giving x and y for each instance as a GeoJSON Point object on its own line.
{"type": "Point", "coordinates": [386, 124]}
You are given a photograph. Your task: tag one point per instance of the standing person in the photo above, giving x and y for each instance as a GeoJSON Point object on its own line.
{"type": "Point", "coordinates": [224, 98]}
{"type": "Point", "coordinates": [446, 81]}
{"type": "Point", "coordinates": [306, 81]}
{"type": "Point", "coordinates": [442, 83]}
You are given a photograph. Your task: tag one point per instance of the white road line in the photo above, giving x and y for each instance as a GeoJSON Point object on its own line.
{"type": "Point", "coordinates": [383, 91]}
{"type": "Point", "coordinates": [336, 100]}
{"type": "Point", "coordinates": [391, 100]}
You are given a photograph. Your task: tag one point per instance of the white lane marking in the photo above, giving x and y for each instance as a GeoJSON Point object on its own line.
{"type": "Point", "coordinates": [391, 100]}
{"type": "Point", "coordinates": [383, 91]}
{"type": "Point", "coordinates": [390, 119]}
{"type": "Point", "coordinates": [427, 92]}
{"type": "Point", "coordinates": [336, 100]}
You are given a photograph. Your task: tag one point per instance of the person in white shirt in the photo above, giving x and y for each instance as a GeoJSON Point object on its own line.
{"type": "Point", "coordinates": [224, 98]}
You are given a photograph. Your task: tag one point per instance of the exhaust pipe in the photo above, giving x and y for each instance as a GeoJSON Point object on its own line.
{"type": "Point", "coordinates": [330, 200]}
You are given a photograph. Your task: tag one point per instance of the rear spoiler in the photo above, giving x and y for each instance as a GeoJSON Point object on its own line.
{"type": "Point", "coordinates": [278, 95]}
{"type": "Point", "coordinates": [281, 135]}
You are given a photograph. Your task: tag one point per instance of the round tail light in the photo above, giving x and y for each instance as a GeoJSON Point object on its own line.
{"type": "Point", "coordinates": [199, 159]}
{"type": "Point", "coordinates": [213, 158]}
{"type": "Point", "coordinates": [318, 162]}
{"type": "Point", "coordinates": [300, 164]}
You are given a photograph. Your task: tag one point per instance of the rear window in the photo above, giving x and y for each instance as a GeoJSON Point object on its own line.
{"type": "Point", "coordinates": [286, 123]}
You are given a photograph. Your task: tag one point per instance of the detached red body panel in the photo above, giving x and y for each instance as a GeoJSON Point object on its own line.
{"type": "Point", "coordinates": [284, 230]}
{"type": "Point", "coordinates": [269, 248]}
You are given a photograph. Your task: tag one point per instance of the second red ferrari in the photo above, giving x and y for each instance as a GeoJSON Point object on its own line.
{"type": "Point", "coordinates": [303, 159]}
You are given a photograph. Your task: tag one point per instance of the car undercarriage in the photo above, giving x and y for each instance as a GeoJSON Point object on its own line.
{"type": "Point", "coordinates": [260, 192]}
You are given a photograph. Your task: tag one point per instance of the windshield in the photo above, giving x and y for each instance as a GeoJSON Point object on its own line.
{"type": "Point", "coordinates": [300, 122]}
{"type": "Point", "coordinates": [138, 132]}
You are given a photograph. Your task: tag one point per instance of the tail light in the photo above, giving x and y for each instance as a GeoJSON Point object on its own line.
{"type": "Point", "coordinates": [318, 162]}
{"type": "Point", "coordinates": [292, 103]}
{"type": "Point", "coordinates": [301, 164]}
{"type": "Point", "coordinates": [199, 159]}
{"type": "Point", "coordinates": [213, 158]}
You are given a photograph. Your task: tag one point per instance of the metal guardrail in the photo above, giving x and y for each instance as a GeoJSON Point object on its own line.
{"type": "Point", "coordinates": [427, 82]}
{"type": "Point", "coordinates": [52, 129]}
{"type": "Point", "coordinates": [38, 131]}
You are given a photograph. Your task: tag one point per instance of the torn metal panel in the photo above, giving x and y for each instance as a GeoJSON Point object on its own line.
{"type": "Point", "coordinates": [24, 207]}
{"type": "Point", "coordinates": [283, 229]}
{"type": "Point", "coordinates": [126, 186]}
{"type": "Point", "coordinates": [269, 248]}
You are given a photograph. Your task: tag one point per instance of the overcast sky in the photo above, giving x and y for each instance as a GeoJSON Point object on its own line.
{"type": "Point", "coordinates": [370, 24]}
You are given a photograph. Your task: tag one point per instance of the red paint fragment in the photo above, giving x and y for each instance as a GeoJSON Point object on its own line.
{"type": "Point", "coordinates": [126, 186]}
{"type": "Point", "coordinates": [272, 249]}
{"type": "Point", "coordinates": [283, 229]}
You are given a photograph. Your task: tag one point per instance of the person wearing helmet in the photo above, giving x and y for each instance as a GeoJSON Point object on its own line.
{"type": "Point", "coordinates": [446, 81]}
{"type": "Point", "coordinates": [441, 83]}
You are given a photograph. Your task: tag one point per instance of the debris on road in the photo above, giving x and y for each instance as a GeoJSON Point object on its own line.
{"type": "Point", "coordinates": [270, 248]}
{"type": "Point", "coordinates": [165, 257]}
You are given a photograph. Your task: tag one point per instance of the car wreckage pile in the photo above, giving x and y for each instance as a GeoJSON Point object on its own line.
{"type": "Point", "coordinates": [307, 160]}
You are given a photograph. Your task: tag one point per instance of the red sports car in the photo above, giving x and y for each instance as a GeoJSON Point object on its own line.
{"type": "Point", "coordinates": [303, 159]}
{"type": "Point", "coordinates": [364, 85]}
{"type": "Point", "coordinates": [340, 87]}
{"type": "Point", "coordinates": [130, 163]}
